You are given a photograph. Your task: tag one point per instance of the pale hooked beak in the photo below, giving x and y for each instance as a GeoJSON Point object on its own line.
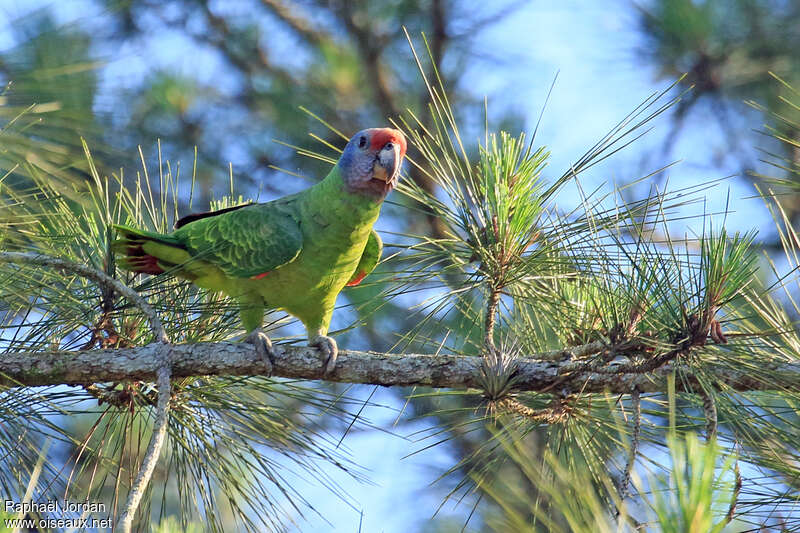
{"type": "Point", "coordinates": [387, 163]}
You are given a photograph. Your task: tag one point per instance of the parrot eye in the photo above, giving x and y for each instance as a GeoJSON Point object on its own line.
{"type": "Point", "coordinates": [362, 141]}
{"type": "Point", "coordinates": [388, 146]}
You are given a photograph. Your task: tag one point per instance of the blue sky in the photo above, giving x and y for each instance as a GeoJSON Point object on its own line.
{"type": "Point", "coordinates": [601, 77]}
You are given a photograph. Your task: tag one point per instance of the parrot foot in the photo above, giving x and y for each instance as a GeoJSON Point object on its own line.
{"type": "Point", "coordinates": [327, 346]}
{"type": "Point", "coordinates": [263, 347]}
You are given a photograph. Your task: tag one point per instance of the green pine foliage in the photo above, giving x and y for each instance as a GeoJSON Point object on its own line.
{"type": "Point", "coordinates": [608, 271]}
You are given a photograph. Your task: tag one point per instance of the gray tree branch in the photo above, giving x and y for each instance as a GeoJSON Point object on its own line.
{"type": "Point", "coordinates": [161, 365]}
{"type": "Point", "coordinates": [150, 460]}
{"type": "Point", "coordinates": [535, 373]}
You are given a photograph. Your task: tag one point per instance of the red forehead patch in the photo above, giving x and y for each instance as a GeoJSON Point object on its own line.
{"type": "Point", "coordinates": [381, 136]}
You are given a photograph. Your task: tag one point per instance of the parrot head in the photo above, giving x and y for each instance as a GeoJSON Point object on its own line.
{"type": "Point", "coordinates": [370, 163]}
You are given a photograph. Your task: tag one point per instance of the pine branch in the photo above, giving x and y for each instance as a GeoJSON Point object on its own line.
{"type": "Point", "coordinates": [150, 460]}
{"type": "Point", "coordinates": [299, 23]}
{"type": "Point", "coordinates": [636, 408]}
{"type": "Point", "coordinates": [99, 277]}
{"type": "Point", "coordinates": [161, 365]}
{"type": "Point", "coordinates": [430, 370]}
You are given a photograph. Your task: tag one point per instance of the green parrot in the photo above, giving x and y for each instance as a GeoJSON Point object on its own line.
{"type": "Point", "coordinates": [295, 253]}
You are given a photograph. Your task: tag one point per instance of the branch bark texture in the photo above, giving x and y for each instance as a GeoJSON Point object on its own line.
{"type": "Point", "coordinates": [451, 371]}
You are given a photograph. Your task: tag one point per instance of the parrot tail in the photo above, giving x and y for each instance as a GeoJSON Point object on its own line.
{"type": "Point", "coordinates": [148, 252]}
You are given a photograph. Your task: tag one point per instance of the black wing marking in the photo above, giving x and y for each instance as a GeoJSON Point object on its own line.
{"type": "Point", "coordinates": [197, 216]}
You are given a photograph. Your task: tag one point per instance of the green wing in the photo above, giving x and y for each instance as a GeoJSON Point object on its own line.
{"type": "Point", "coordinates": [369, 259]}
{"type": "Point", "coordinates": [246, 242]}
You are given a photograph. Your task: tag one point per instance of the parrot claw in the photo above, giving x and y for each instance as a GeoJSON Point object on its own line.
{"type": "Point", "coordinates": [329, 351]}
{"type": "Point", "coordinates": [263, 347]}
